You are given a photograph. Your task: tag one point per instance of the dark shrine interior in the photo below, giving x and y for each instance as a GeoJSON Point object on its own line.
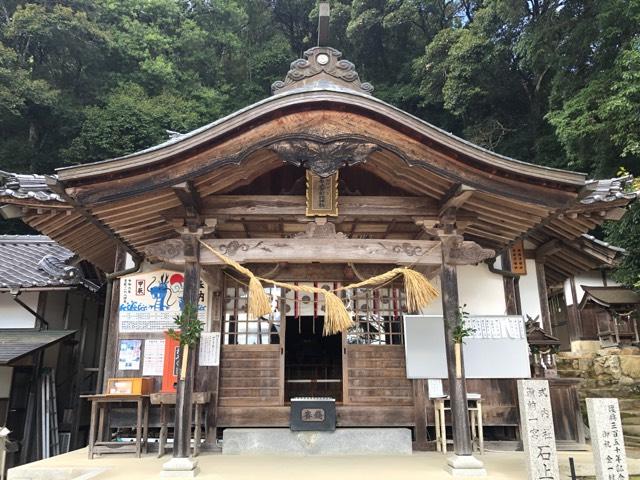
{"type": "Point", "coordinates": [313, 362]}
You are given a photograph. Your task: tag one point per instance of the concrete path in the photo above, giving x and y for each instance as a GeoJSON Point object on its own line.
{"type": "Point", "coordinates": [419, 466]}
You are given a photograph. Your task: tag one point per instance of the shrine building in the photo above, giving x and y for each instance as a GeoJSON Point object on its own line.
{"type": "Point", "coordinates": [324, 185]}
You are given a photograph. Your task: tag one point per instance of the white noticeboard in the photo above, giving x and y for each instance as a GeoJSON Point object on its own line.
{"type": "Point", "coordinates": [497, 349]}
{"type": "Point", "coordinates": [149, 302]}
{"type": "Point", "coordinates": [153, 358]}
{"type": "Point", "coordinates": [209, 355]}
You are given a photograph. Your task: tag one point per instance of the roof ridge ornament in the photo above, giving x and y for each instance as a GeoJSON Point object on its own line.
{"type": "Point", "coordinates": [322, 63]}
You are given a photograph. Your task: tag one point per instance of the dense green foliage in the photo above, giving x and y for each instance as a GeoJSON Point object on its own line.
{"type": "Point", "coordinates": [554, 82]}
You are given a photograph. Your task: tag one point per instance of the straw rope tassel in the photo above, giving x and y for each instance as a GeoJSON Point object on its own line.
{"type": "Point", "coordinates": [336, 317]}
{"type": "Point", "coordinates": [418, 289]}
{"type": "Point", "coordinates": [259, 303]}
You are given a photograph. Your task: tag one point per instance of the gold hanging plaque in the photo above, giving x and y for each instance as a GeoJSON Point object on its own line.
{"type": "Point", "coordinates": [322, 195]}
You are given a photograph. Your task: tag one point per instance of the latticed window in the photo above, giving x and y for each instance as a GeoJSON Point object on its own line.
{"type": "Point", "coordinates": [377, 313]}
{"type": "Point", "coordinates": [239, 328]}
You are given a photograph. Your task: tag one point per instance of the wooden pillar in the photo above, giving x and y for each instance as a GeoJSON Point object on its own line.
{"type": "Point", "coordinates": [510, 293]}
{"type": "Point", "coordinates": [182, 430]}
{"type": "Point", "coordinates": [420, 414]}
{"type": "Point", "coordinates": [575, 317]}
{"type": "Point", "coordinates": [544, 299]}
{"type": "Point", "coordinates": [457, 386]}
{"type": "Point", "coordinates": [207, 378]}
{"type": "Point", "coordinates": [109, 355]}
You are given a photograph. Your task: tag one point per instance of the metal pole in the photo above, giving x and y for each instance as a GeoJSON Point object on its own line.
{"type": "Point", "coordinates": [572, 468]}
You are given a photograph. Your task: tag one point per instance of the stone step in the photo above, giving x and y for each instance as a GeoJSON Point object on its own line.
{"type": "Point", "coordinates": [343, 441]}
{"type": "Point", "coordinates": [630, 417]}
{"type": "Point", "coordinates": [631, 441]}
{"type": "Point", "coordinates": [633, 402]}
{"type": "Point", "coordinates": [629, 404]}
{"type": "Point", "coordinates": [631, 429]}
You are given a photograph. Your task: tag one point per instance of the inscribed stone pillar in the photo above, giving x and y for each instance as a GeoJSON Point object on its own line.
{"type": "Point", "coordinates": [607, 440]}
{"type": "Point", "coordinates": [536, 429]}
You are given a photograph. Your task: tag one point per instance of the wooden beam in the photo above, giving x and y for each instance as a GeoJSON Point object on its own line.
{"type": "Point", "coordinates": [311, 250]}
{"type": "Point", "coordinates": [547, 249]}
{"type": "Point", "coordinates": [455, 197]}
{"type": "Point", "coordinates": [286, 205]}
{"type": "Point", "coordinates": [188, 196]}
{"type": "Point", "coordinates": [615, 213]}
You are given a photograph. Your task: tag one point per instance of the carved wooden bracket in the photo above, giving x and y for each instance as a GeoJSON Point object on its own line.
{"type": "Point", "coordinates": [320, 229]}
{"type": "Point", "coordinates": [322, 158]}
{"type": "Point", "coordinates": [322, 62]}
{"type": "Point", "coordinates": [458, 252]}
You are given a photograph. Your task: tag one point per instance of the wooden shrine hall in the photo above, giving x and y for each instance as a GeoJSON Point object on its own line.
{"type": "Point", "coordinates": [323, 184]}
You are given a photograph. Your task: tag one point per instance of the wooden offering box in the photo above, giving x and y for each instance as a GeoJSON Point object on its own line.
{"type": "Point", "coordinates": [130, 386]}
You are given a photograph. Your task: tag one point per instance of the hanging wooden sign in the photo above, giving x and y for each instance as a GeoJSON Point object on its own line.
{"type": "Point", "coordinates": [518, 260]}
{"type": "Point", "coordinates": [322, 195]}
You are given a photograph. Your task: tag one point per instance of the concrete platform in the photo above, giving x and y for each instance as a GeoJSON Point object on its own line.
{"type": "Point", "coordinates": [419, 466]}
{"type": "Point", "coordinates": [344, 441]}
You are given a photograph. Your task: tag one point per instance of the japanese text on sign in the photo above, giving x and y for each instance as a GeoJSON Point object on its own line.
{"type": "Point", "coordinates": [536, 423]}
{"type": "Point", "coordinates": [149, 302]}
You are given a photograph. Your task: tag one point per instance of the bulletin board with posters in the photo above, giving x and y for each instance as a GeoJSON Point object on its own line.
{"type": "Point", "coordinates": [497, 348]}
{"type": "Point", "coordinates": [150, 301]}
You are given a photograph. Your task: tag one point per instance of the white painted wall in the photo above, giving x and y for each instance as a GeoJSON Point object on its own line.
{"type": "Point", "coordinates": [529, 297]}
{"type": "Point", "coordinates": [478, 288]}
{"type": "Point", "coordinates": [589, 279]}
{"type": "Point", "coordinates": [481, 290]}
{"type": "Point", "coordinates": [13, 315]}
{"type": "Point", "coordinates": [435, 307]}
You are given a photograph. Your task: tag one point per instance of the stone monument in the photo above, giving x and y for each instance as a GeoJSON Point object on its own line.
{"type": "Point", "coordinates": [536, 427]}
{"type": "Point", "coordinates": [609, 455]}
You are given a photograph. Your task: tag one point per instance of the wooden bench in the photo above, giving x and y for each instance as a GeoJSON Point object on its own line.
{"type": "Point", "coordinates": [99, 407]}
{"type": "Point", "coordinates": [166, 402]}
{"type": "Point", "coordinates": [475, 420]}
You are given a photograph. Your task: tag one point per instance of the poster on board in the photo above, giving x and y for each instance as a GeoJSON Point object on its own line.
{"type": "Point", "coordinates": [209, 355]}
{"type": "Point", "coordinates": [149, 302]}
{"type": "Point", "coordinates": [497, 348]}
{"type": "Point", "coordinates": [153, 358]}
{"type": "Point", "coordinates": [129, 354]}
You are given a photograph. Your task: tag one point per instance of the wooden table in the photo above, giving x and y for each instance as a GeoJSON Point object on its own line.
{"type": "Point", "coordinates": [475, 420]}
{"type": "Point", "coordinates": [168, 400]}
{"type": "Point", "coordinates": [99, 405]}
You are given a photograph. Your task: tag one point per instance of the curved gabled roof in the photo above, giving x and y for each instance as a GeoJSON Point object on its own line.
{"type": "Point", "coordinates": [321, 95]}
{"type": "Point", "coordinates": [323, 118]}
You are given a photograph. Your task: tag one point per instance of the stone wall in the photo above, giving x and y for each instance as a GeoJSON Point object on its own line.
{"type": "Point", "coordinates": [609, 372]}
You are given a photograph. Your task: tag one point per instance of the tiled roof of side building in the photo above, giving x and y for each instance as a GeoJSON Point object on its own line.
{"type": "Point", "coordinates": [35, 262]}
